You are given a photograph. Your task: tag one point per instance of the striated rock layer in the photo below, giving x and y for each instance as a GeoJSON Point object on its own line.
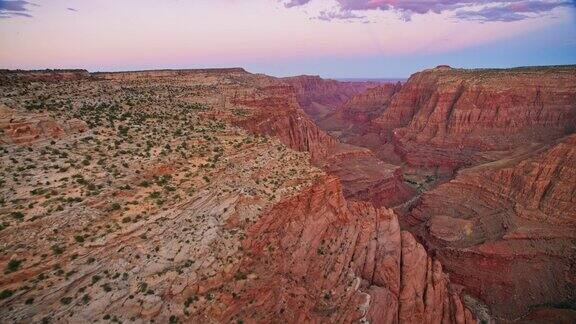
{"type": "Point", "coordinates": [506, 229]}
{"type": "Point", "coordinates": [316, 258]}
{"type": "Point", "coordinates": [352, 123]}
{"type": "Point", "coordinates": [361, 108]}
{"type": "Point", "coordinates": [503, 228]}
{"type": "Point", "coordinates": [319, 97]}
{"type": "Point", "coordinates": [273, 109]}
{"type": "Point", "coordinates": [443, 116]}
{"type": "Point", "coordinates": [367, 178]}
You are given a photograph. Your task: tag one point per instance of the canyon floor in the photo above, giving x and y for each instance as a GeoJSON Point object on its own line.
{"type": "Point", "coordinates": [217, 195]}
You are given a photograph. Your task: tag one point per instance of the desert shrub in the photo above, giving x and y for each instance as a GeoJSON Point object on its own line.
{"type": "Point", "coordinates": [66, 300]}
{"type": "Point", "coordinates": [17, 215]}
{"type": "Point", "coordinates": [6, 293]}
{"type": "Point", "coordinates": [13, 265]}
{"type": "Point", "coordinates": [56, 249]}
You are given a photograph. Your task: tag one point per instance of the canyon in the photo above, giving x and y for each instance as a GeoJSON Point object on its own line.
{"type": "Point", "coordinates": [217, 195]}
{"type": "Point", "coordinates": [491, 152]}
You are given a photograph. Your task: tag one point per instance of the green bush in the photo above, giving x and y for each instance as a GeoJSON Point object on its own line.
{"type": "Point", "coordinates": [13, 265]}
{"type": "Point", "coordinates": [6, 293]}
{"type": "Point", "coordinates": [17, 215]}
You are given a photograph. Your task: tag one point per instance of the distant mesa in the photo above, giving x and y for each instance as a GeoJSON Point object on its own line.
{"type": "Point", "coordinates": [443, 67]}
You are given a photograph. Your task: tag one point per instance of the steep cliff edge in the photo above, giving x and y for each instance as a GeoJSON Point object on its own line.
{"type": "Point", "coordinates": [367, 178]}
{"type": "Point", "coordinates": [505, 229]}
{"type": "Point", "coordinates": [360, 109]}
{"type": "Point", "coordinates": [319, 97]}
{"type": "Point", "coordinates": [504, 226]}
{"type": "Point", "coordinates": [274, 111]}
{"type": "Point", "coordinates": [444, 116]}
{"type": "Point", "coordinates": [351, 122]}
{"type": "Point", "coordinates": [315, 257]}
{"type": "Point", "coordinates": [271, 108]}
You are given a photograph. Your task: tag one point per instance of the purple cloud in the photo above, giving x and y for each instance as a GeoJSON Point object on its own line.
{"type": "Point", "coordinates": [14, 8]}
{"type": "Point", "coordinates": [342, 15]}
{"type": "Point", "coordinates": [295, 3]}
{"type": "Point", "coordinates": [510, 12]}
{"type": "Point", "coordinates": [481, 10]}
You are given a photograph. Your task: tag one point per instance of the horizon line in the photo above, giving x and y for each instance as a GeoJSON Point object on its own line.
{"type": "Point", "coordinates": [242, 69]}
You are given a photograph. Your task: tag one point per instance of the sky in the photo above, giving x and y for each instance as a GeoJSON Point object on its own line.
{"type": "Point", "coordinates": [331, 38]}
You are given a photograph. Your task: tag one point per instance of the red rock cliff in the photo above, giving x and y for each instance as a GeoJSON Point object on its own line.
{"type": "Point", "coordinates": [274, 111]}
{"type": "Point", "coordinates": [319, 258]}
{"type": "Point", "coordinates": [319, 97]}
{"type": "Point", "coordinates": [364, 106]}
{"type": "Point", "coordinates": [506, 229]}
{"type": "Point", "coordinates": [452, 113]}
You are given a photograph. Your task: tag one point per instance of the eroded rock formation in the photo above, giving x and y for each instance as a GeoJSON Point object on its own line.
{"type": "Point", "coordinates": [506, 229]}
{"type": "Point", "coordinates": [361, 108]}
{"type": "Point", "coordinates": [319, 97]}
{"type": "Point", "coordinates": [16, 127]}
{"type": "Point", "coordinates": [337, 261]}
{"type": "Point", "coordinates": [503, 227]}
{"type": "Point", "coordinates": [352, 121]}
{"type": "Point", "coordinates": [275, 112]}
{"type": "Point", "coordinates": [444, 116]}
{"type": "Point", "coordinates": [272, 109]}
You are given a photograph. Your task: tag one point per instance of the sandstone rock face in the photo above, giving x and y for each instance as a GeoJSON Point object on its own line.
{"type": "Point", "coordinates": [21, 128]}
{"type": "Point", "coordinates": [272, 109]}
{"type": "Point", "coordinates": [319, 97]}
{"type": "Point", "coordinates": [505, 229]}
{"type": "Point", "coordinates": [443, 116]}
{"type": "Point", "coordinates": [275, 112]}
{"type": "Point", "coordinates": [351, 122]}
{"type": "Point", "coordinates": [367, 178]}
{"type": "Point", "coordinates": [339, 262]}
{"type": "Point", "coordinates": [360, 109]}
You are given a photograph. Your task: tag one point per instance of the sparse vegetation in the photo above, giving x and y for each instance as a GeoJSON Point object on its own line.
{"type": "Point", "coordinates": [13, 265]}
{"type": "Point", "coordinates": [6, 293]}
{"type": "Point", "coordinates": [129, 159]}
